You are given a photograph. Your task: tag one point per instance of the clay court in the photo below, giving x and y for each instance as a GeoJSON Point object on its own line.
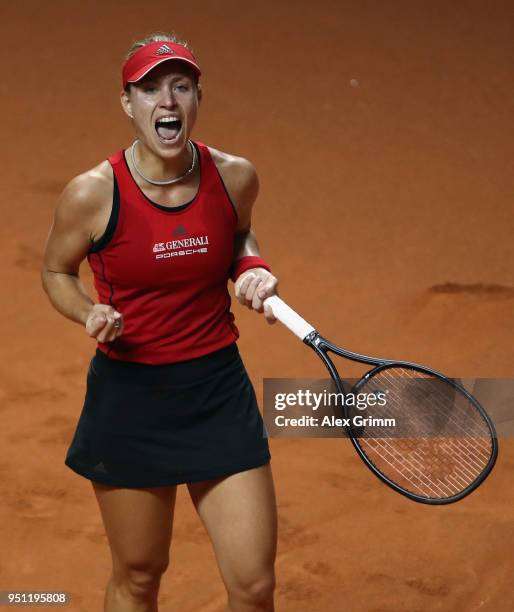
{"type": "Point", "coordinates": [383, 136]}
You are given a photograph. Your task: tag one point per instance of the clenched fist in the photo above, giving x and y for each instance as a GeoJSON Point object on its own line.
{"type": "Point", "coordinates": [104, 323]}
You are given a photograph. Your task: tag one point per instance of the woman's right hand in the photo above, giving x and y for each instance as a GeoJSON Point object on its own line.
{"type": "Point", "coordinates": [100, 323]}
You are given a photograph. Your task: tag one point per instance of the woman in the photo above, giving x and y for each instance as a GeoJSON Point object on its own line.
{"type": "Point", "coordinates": [163, 225]}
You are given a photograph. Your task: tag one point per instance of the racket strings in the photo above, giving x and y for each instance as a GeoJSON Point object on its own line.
{"type": "Point", "coordinates": [418, 417]}
{"type": "Point", "coordinates": [414, 475]}
{"type": "Point", "coordinates": [415, 470]}
{"type": "Point", "coordinates": [459, 443]}
{"type": "Point", "coordinates": [443, 444]}
{"type": "Point", "coordinates": [442, 409]}
{"type": "Point", "coordinates": [449, 411]}
{"type": "Point", "coordinates": [464, 444]}
{"type": "Point", "coordinates": [442, 403]}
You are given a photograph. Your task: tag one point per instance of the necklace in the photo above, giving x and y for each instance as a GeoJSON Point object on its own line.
{"type": "Point", "coordinates": [170, 181]}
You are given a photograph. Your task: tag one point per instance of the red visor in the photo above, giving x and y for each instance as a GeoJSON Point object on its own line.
{"type": "Point", "coordinates": [151, 55]}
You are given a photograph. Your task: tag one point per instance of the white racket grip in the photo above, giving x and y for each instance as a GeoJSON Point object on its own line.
{"type": "Point", "coordinates": [288, 317]}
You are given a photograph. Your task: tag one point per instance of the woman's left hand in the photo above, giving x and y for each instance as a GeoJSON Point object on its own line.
{"type": "Point", "coordinates": [253, 287]}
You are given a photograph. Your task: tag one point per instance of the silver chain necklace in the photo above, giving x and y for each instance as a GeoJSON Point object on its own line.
{"type": "Point", "coordinates": [170, 181]}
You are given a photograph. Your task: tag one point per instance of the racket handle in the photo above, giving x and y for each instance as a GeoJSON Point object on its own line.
{"type": "Point", "coordinates": [288, 317]}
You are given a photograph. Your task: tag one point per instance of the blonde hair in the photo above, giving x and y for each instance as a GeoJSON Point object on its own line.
{"type": "Point", "coordinates": [156, 37]}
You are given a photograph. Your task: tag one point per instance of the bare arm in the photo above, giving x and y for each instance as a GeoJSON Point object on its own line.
{"type": "Point", "coordinates": [67, 245]}
{"type": "Point", "coordinates": [255, 285]}
{"type": "Point", "coordinates": [245, 190]}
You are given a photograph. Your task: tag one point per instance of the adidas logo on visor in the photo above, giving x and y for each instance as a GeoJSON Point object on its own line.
{"type": "Point", "coordinates": [164, 50]}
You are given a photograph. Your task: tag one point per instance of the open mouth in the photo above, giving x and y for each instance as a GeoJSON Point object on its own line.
{"type": "Point", "coordinates": [168, 129]}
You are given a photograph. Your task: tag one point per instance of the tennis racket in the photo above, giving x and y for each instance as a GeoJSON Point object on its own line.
{"type": "Point", "coordinates": [447, 445]}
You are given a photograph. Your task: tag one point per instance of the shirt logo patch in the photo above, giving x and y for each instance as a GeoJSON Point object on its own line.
{"type": "Point", "coordinates": [180, 230]}
{"type": "Point", "coordinates": [181, 247]}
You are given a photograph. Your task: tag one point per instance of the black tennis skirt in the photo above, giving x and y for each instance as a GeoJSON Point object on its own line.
{"type": "Point", "coordinates": [148, 425]}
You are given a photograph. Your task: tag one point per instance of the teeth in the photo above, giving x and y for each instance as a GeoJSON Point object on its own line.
{"type": "Point", "coordinates": [167, 119]}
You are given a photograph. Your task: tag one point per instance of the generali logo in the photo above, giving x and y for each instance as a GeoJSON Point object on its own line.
{"type": "Point", "coordinates": [181, 246]}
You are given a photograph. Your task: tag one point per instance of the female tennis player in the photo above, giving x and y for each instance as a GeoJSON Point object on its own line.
{"type": "Point", "coordinates": [164, 224]}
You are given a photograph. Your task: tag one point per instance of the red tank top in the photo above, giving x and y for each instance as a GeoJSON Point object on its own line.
{"type": "Point", "coordinates": [166, 269]}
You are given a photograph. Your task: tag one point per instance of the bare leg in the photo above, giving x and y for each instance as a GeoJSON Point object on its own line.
{"type": "Point", "coordinates": [239, 513]}
{"type": "Point", "coordinates": [138, 524]}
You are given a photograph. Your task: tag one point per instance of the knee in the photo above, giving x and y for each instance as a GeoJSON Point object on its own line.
{"type": "Point", "coordinates": [256, 592]}
{"type": "Point", "coordinates": [141, 580]}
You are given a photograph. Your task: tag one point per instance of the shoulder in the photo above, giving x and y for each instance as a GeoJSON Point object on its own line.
{"type": "Point", "coordinates": [241, 181]}
{"type": "Point", "coordinates": [89, 186]}
{"type": "Point", "coordinates": [233, 165]}
{"type": "Point", "coordinates": [85, 194]}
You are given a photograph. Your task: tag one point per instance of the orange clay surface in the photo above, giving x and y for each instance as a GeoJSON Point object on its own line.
{"type": "Point", "coordinates": [382, 134]}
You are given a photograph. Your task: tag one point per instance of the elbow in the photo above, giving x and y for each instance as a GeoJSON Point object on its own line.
{"type": "Point", "coordinates": [44, 278]}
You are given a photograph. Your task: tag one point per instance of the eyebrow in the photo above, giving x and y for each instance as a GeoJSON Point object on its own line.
{"type": "Point", "coordinates": [155, 80]}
